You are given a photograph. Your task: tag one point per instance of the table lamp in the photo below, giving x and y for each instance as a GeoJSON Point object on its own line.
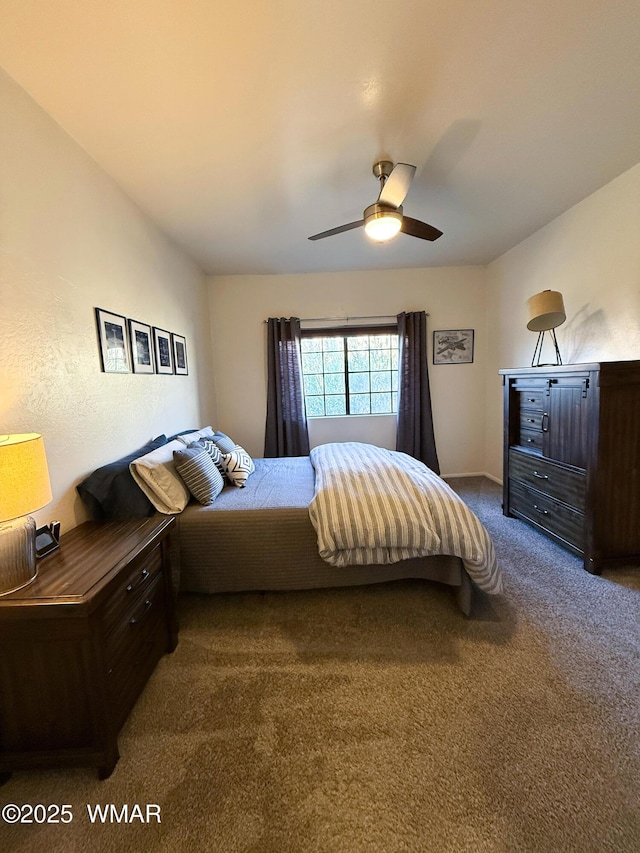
{"type": "Point", "coordinates": [546, 313]}
{"type": "Point", "coordinates": [24, 488]}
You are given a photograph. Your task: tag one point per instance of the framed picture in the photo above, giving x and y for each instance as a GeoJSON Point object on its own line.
{"type": "Point", "coordinates": [162, 349]}
{"type": "Point", "coordinates": [141, 347]}
{"type": "Point", "coordinates": [114, 348]}
{"type": "Point", "coordinates": [453, 346]}
{"type": "Point", "coordinates": [180, 354]}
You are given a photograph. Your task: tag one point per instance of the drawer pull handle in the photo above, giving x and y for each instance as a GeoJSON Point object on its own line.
{"type": "Point", "coordinates": [540, 476]}
{"type": "Point", "coordinates": [542, 511]}
{"type": "Point", "coordinates": [545, 426]}
{"type": "Point", "coordinates": [531, 399]}
{"type": "Point", "coordinates": [143, 576]}
{"type": "Point", "coordinates": [531, 420]}
{"type": "Point", "coordinates": [136, 620]}
{"type": "Point", "coordinates": [531, 441]}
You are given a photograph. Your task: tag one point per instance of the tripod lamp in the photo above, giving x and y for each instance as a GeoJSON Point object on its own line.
{"type": "Point", "coordinates": [546, 313]}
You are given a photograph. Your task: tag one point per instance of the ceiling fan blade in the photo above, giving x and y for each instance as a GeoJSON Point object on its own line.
{"type": "Point", "coordinates": [397, 185]}
{"type": "Point", "coordinates": [415, 228]}
{"type": "Point", "coordinates": [337, 230]}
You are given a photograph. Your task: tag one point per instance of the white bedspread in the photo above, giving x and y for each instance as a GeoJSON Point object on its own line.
{"type": "Point", "coordinates": [373, 505]}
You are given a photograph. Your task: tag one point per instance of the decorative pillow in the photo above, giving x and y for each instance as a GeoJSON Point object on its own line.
{"type": "Point", "coordinates": [156, 475]}
{"type": "Point", "coordinates": [223, 441]}
{"type": "Point", "coordinates": [214, 452]}
{"type": "Point", "coordinates": [238, 465]}
{"type": "Point", "coordinates": [188, 438]}
{"type": "Point", "coordinates": [196, 468]}
{"type": "Point", "coordinates": [111, 494]}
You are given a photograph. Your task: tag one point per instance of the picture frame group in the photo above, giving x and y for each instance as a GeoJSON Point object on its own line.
{"type": "Point", "coordinates": [130, 346]}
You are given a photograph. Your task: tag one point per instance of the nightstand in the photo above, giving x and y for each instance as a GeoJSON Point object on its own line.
{"type": "Point", "coordinates": [78, 645]}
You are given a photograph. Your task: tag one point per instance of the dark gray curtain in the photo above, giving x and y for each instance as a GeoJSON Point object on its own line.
{"type": "Point", "coordinates": [415, 421]}
{"type": "Point", "coordinates": [286, 428]}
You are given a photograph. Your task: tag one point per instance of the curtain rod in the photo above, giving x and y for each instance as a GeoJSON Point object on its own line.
{"type": "Point", "coordinates": [346, 319]}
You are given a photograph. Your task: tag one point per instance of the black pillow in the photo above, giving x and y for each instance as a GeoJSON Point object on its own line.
{"type": "Point", "coordinates": [111, 493]}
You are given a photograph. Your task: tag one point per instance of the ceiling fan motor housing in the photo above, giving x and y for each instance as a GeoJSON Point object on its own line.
{"type": "Point", "coordinates": [378, 210]}
{"type": "Point", "coordinates": [382, 169]}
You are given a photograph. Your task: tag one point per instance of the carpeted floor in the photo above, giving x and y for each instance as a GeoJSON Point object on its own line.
{"type": "Point", "coordinates": [380, 719]}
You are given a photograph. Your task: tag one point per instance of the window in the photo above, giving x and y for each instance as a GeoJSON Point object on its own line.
{"type": "Point", "coordinates": [350, 371]}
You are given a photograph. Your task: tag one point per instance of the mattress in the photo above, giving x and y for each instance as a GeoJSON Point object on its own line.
{"type": "Point", "coordinates": [261, 538]}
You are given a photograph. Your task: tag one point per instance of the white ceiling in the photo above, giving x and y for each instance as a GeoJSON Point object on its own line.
{"type": "Point", "coordinates": [243, 127]}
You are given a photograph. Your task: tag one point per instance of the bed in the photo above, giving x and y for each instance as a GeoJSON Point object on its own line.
{"type": "Point", "coordinates": [349, 514]}
{"type": "Point", "coordinates": [266, 535]}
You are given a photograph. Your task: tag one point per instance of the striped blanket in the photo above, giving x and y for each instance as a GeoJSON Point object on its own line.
{"type": "Point", "coordinates": [380, 506]}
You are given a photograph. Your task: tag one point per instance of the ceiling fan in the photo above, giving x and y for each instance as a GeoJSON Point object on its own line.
{"type": "Point", "coordinates": [384, 219]}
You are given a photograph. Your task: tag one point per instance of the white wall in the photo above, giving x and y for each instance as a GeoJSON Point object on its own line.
{"type": "Point", "coordinates": [453, 296]}
{"type": "Point", "coordinates": [70, 241]}
{"type": "Point", "coordinates": [591, 254]}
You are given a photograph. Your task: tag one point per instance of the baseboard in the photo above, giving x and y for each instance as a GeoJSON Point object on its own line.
{"type": "Point", "coordinates": [495, 479]}
{"type": "Point", "coordinates": [476, 474]}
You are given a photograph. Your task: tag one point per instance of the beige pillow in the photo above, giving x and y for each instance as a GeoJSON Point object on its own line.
{"type": "Point", "coordinates": [156, 475]}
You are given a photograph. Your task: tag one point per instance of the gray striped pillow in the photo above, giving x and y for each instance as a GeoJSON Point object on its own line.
{"type": "Point", "coordinates": [200, 475]}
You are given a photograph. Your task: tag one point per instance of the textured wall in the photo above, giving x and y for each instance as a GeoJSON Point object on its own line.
{"type": "Point", "coordinates": [591, 254]}
{"type": "Point", "coordinates": [70, 241]}
{"type": "Point", "coordinates": [454, 298]}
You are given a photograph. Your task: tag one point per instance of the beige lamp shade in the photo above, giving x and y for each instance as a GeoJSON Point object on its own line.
{"type": "Point", "coordinates": [546, 311]}
{"type": "Point", "coordinates": [24, 476]}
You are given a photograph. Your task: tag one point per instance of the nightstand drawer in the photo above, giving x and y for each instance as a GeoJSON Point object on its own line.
{"type": "Point", "coordinates": [548, 513]}
{"type": "Point", "coordinates": [560, 482]}
{"type": "Point", "coordinates": [130, 585]}
{"type": "Point", "coordinates": [135, 622]}
{"type": "Point", "coordinates": [135, 651]}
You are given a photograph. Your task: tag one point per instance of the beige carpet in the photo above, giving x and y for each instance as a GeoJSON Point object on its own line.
{"type": "Point", "coordinates": [381, 719]}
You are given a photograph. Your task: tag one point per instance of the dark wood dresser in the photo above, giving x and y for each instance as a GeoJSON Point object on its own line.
{"type": "Point", "coordinates": [78, 645]}
{"type": "Point", "coordinates": [572, 456]}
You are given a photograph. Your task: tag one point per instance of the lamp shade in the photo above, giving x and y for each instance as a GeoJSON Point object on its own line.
{"type": "Point", "coordinates": [24, 476]}
{"type": "Point", "coordinates": [546, 311]}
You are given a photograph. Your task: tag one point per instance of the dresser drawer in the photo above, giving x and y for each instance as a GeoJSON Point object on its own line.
{"type": "Point", "coordinates": [531, 439]}
{"type": "Point", "coordinates": [531, 420]}
{"type": "Point", "coordinates": [548, 513]}
{"type": "Point", "coordinates": [130, 584]}
{"type": "Point", "coordinates": [532, 398]}
{"type": "Point", "coordinates": [565, 484]}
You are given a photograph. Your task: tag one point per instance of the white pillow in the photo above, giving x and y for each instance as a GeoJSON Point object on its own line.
{"type": "Point", "coordinates": [156, 475]}
{"type": "Point", "coordinates": [190, 437]}
{"type": "Point", "coordinates": [238, 465]}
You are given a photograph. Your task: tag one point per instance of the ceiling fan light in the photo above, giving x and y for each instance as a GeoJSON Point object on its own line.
{"type": "Point", "coordinates": [381, 223]}
{"type": "Point", "coordinates": [383, 228]}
